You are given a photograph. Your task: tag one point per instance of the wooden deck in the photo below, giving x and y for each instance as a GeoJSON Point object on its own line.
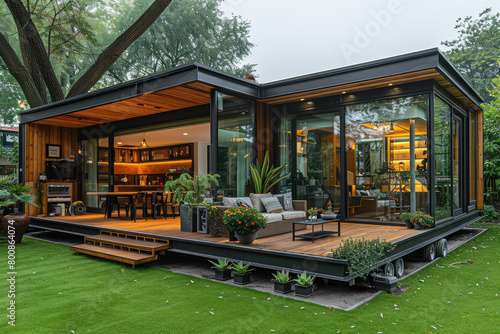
{"type": "Point", "coordinates": [170, 227]}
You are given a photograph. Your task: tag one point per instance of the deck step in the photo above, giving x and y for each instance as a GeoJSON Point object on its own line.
{"type": "Point", "coordinates": [114, 254]}
{"type": "Point", "coordinates": [110, 240]}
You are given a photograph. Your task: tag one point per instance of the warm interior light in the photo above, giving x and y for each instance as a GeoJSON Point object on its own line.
{"type": "Point", "coordinates": [390, 84]}
{"type": "Point", "coordinates": [302, 99]}
{"type": "Point", "coordinates": [185, 134]}
{"type": "Point", "coordinates": [119, 143]}
{"type": "Point", "coordinates": [344, 92]}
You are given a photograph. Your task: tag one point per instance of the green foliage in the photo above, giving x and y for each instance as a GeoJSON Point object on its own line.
{"type": "Point", "coordinates": [222, 264]}
{"type": "Point", "coordinates": [476, 50]}
{"type": "Point", "coordinates": [362, 255]}
{"type": "Point", "coordinates": [304, 280]}
{"type": "Point", "coordinates": [191, 189]}
{"type": "Point", "coordinates": [11, 192]}
{"type": "Point", "coordinates": [405, 216]}
{"type": "Point", "coordinates": [240, 269]}
{"type": "Point", "coordinates": [491, 131]}
{"type": "Point", "coordinates": [490, 214]}
{"type": "Point", "coordinates": [188, 30]}
{"type": "Point", "coordinates": [244, 220]}
{"type": "Point", "coordinates": [423, 219]}
{"type": "Point", "coordinates": [216, 221]}
{"type": "Point", "coordinates": [264, 177]}
{"type": "Point", "coordinates": [282, 276]}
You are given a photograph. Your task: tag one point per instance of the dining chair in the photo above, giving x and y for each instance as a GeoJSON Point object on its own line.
{"type": "Point", "coordinates": [168, 203]}
{"type": "Point", "coordinates": [156, 203]}
{"type": "Point", "coordinates": [139, 202]}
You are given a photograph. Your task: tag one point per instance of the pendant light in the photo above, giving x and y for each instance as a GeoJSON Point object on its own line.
{"type": "Point", "coordinates": [143, 144]}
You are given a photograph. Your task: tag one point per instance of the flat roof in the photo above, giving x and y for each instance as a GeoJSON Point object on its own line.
{"type": "Point", "coordinates": [190, 85]}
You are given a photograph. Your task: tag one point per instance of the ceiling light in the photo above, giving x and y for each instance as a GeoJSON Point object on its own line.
{"type": "Point", "coordinates": [302, 99]}
{"type": "Point", "coordinates": [119, 143]}
{"type": "Point", "coordinates": [185, 134]}
{"type": "Point", "coordinates": [344, 92]}
{"type": "Point", "coordinates": [143, 144]}
{"type": "Point", "coordinates": [390, 84]}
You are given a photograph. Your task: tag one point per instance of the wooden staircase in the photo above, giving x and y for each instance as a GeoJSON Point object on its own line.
{"type": "Point", "coordinates": [122, 247]}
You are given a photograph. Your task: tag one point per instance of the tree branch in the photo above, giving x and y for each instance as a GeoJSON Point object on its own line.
{"type": "Point", "coordinates": [115, 49]}
{"type": "Point", "coordinates": [19, 72]}
{"type": "Point", "coordinates": [23, 19]}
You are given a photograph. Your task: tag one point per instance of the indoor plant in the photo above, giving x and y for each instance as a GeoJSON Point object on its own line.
{"type": "Point", "coordinates": [241, 273]}
{"type": "Point", "coordinates": [282, 281]}
{"type": "Point", "coordinates": [222, 270]}
{"type": "Point", "coordinates": [304, 286]}
{"type": "Point", "coordinates": [422, 220]}
{"type": "Point", "coordinates": [14, 224]}
{"type": "Point", "coordinates": [191, 191]}
{"type": "Point", "coordinates": [245, 222]}
{"type": "Point", "coordinates": [265, 177]}
{"type": "Point", "coordinates": [312, 214]}
{"type": "Point", "coordinates": [406, 217]}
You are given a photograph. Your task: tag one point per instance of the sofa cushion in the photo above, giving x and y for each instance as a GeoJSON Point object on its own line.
{"type": "Point", "coordinates": [285, 200]}
{"type": "Point", "coordinates": [256, 203]}
{"type": "Point", "coordinates": [231, 201]}
{"type": "Point", "coordinates": [293, 214]}
{"type": "Point", "coordinates": [273, 217]}
{"type": "Point", "coordinates": [272, 204]}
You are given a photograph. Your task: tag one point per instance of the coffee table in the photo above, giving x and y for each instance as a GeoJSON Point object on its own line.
{"type": "Point", "coordinates": [319, 234]}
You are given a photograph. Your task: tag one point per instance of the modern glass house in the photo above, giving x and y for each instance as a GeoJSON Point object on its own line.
{"type": "Point", "coordinates": [370, 141]}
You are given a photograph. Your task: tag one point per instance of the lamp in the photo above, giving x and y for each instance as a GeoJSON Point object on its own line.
{"type": "Point", "coordinates": [143, 144]}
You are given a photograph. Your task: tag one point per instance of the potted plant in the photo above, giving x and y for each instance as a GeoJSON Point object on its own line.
{"type": "Point", "coordinates": [406, 217]}
{"type": "Point", "coordinates": [264, 178]}
{"type": "Point", "coordinates": [222, 270]}
{"type": "Point", "coordinates": [241, 273]}
{"type": "Point", "coordinates": [422, 220]}
{"type": "Point", "coordinates": [282, 282]}
{"type": "Point", "coordinates": [190, 191]}
{"type": "Point", "coordinates": [245, 222]}
{"type": "Point", "coordinates": [304, 286]}
{"type": "Point", "coordinates": [312, 214]}
{"type": "Point", "coordinates": [14, 224]}
{"type": "Point", "coordinates": [329, 214]}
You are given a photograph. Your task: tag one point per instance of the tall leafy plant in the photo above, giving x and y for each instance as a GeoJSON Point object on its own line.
{"type": "Point", "coordinates": [191, 189]}
{"type": "Point", "coordinates": [11, 192]}
{"type": "Point", "coordinates": [265, 177]}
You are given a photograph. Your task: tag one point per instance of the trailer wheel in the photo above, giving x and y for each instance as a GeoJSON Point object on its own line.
{"type": "Point", "coordinates": [442, 248]}
{"type": "Point", "coordinates": [399, 267]}
{"type": "Point", "coordinates": [430, 252]}
{"type": "Point", "coordinates": [388, 269]}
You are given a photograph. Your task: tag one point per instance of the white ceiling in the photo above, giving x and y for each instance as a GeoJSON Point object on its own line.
{"type": "Point", "coordinates": [166, 137]}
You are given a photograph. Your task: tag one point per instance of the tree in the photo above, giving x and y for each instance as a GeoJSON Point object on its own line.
{"type": "Point", "coordinates": [36, 72]}
{"type": "Point", "coordinates": [476, 50]}
{"type": "Point", "coordinates": [189, 30]}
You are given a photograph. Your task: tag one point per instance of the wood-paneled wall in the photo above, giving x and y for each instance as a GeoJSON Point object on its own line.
{"type": "Point", "coordinates": [37, 137]}
{"type": "Point", "coordinates": [480, 160]}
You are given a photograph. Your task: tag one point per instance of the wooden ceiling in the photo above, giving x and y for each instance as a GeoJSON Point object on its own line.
{"type": "Point", "coordinates": [179, 97]}
{"type": "Point", "coordinates": [376, 83]}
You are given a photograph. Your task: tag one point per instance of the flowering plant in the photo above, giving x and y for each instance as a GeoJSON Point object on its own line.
{"type": "Point", "coordinates": [423, 219]}
{"type": "Point", "coordinates": [244, 220]}
{"type": "Point", "coordinates": [312, 211]}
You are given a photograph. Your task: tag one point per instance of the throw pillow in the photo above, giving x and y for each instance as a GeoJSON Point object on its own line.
{"type": "Point", "coordinates": [236, 201]}
{"type": "Point", "coordinates": [272, 205]}
{"type": "Point", "coordinates": [255, 198]}
{"type": "Point", "coordinates": [287, 203]}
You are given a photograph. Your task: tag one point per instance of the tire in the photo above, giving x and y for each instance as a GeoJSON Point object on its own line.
{"type": "Point", "coordinates": [430, 252]}
{"type": "Point", "coordinates": [399, 267]}
{"type": "Point", "coordinates": [442, 248]}
{"type": "Point", "coordinates": [388, 269]}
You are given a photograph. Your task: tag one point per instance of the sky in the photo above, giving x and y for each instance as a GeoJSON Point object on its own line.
{"type": "Point", "coordinates": [299, 37]}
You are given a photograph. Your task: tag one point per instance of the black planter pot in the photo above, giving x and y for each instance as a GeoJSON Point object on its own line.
{"type": "Point", "coordinates": [15, 224]}
{"type": "Point", "coordinates": [304, 291]}
{"type": "Point", "coordinates": [418, 227]}
{"type": "Point", "coordinates": [189, 218]}
{"type": "Point", "coordinates": [246, 239]}
{"type": "Point", "coordinates": [232, 237]}
{"type": "Point", "coordinates": [282, 287]}
{"type": "Point", "coordinates": [242, 278]}
{"type": "Point", "coordinates": [222, 275]}
{"type": "Point", "coordinates": [409, 224]}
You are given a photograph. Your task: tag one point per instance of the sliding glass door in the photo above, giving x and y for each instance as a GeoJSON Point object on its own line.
{"type": "Point", "coordinates": [95, 167]}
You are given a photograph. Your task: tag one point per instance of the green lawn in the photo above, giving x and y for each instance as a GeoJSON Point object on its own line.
{"type": "Point", "coordinates": [58, 292]}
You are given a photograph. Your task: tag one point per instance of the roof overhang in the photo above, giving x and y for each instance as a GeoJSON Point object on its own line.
{"type": "Point", "coordinates": [189, 86]}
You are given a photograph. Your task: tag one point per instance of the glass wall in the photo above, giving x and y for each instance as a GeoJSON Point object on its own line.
{"type": "Point", "coordinates": [95, 170]}
{"type": "Point", "coordinates": [386, 153]}
{"type": "Point", "coordinates": [318, 160]}
{"type": "Point", "coordinates": [472, 157]}
{"type": "Point", "coordinates": [443, 158]}
{"type": "Point", "coordinates": [457, 149]}
{"type": "Point", "coordinates": [235, 131]}
{"type": "Point", "coordinates": [285, 150]}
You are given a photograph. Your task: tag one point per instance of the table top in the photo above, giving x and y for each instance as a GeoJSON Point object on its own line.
{"type": "Point", "coordinates": [119, 193]}
{"type": "Point", "coordinates": [318, 221]}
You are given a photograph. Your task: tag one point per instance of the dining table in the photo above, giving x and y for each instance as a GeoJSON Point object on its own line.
{"type": "Point", "coordinates": [112, 197]}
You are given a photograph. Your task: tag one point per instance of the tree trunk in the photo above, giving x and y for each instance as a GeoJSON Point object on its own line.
{"type": "Point", "coordinates": [113, 51]}
{"type": "Point", "coordinates": [37, 50]}
{"type": "Point", "coordinates": [20, 73]}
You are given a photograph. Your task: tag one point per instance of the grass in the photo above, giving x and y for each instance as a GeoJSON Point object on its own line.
{"type": "Point", "coordinates": [58, 292]}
